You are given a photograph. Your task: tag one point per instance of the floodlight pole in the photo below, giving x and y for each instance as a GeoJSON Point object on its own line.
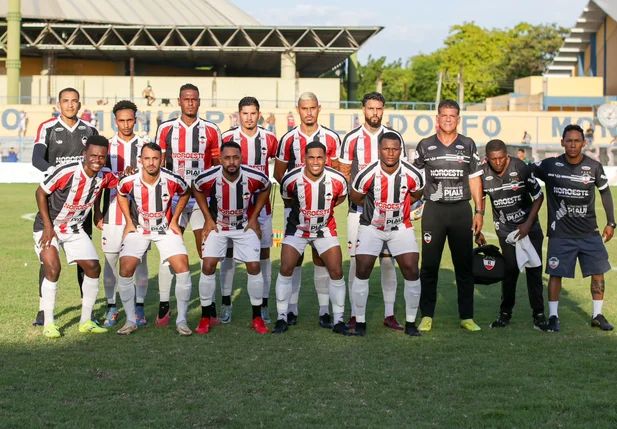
{"type": "Point", "coordinates": [13, 62]}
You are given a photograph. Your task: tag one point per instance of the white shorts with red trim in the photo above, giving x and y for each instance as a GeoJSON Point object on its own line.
{"type": "Point", "coordinates": [372, 241]}
{"type": "Point", "coordinates": [77, 247]}
{"type": "Point", "coordinates": [320, 244]}
{"type": "Point", "coordinates": [246, 246]}
{"type": "Point", "coordinates": [136, 244]}
{"type": "Point", "coordinates": [353, 223]}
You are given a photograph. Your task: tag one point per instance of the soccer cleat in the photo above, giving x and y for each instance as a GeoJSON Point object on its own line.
{"type": "Point", "coordinates": [90, 327]}
{"type": "Point", "coordinates": [204, 326]}
{"type": "Point", "coordinates": [426, 324]}
{"type": "Point", "coordinates": [163, 321]}
{"type": "Point", "coordinates": [225, 313]}
{"type": "Point", "coordinates": [183, 329]}
{"type": "Point", "coordinates": [259, 326]}
{"type": "Point", "coordinates": [40, 319]}
{"type": "Point", "coordinates": [600, 322]}
{"type": "Point", "coordinates": [265, 315]}
{"type": "Point", "coordinates": [360, 330]}
{"type": "Point", "coordinates": [553, 324]}
{"type": "Point", "coordinates": [540, 323]}
{"type": "Point", "coordinates": [341, 328]}
{"type": "Point", "coordinates": [392, 323]}
{"type": "Point", "coordinates": [140, 316]}
{"type": "Point", "coordinates": [502, 320]}
{"type": "Point", "coordinates": [325, 321]}
{"type": "Point", "coordinates": [51, 331]}
{"type": "Point", "coordinates": [111, 318]}
{"type": "Point", "coordinates": [470, 325]}
{"type": "Point", "coordinates": [410, 329]}
{"type": "Point", "coordinates": [128, 328]}
{"type": "Point", "coordinates": [215, 321]}
{"type": "Point", "coordinates": [280, 327]}
{"type": "Point", "coordinates": [292, 319]}
{"type": "Point", "coordinates": [352, 323]}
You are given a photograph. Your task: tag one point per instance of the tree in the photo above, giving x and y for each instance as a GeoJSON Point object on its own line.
{"type": "Point", "coordinates": [424, 75]}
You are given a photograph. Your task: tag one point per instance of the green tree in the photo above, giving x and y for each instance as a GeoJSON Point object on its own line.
{"type": "Point", "coordinates": [424, 70]}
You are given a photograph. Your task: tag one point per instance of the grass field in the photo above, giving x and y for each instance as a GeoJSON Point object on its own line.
{"type": "Point", "coordinates": [232, 377]}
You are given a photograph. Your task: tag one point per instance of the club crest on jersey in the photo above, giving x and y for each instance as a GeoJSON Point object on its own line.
{"type": "Point", "coordinates": [58, 141]}
{"type": "Point", "coordinates": [586, 177]}
{"type": "Point", "coordinates": [84, 139]}
{"type": "Point", "coordinates": [427, 237]}
{"type": "Point", "coordinates": [329, 196]}
{"type": "Point", "coordinates": [264, 150]}
{"type": "Point", "coordinates": [202, 139]}
{"type": "Point", "coordinates": [553, 262]}
{"type": "Point", "coordinates": [165, 197]}
{"type": "Point", "coordinates": [489, 262]}
{"type": "Point", "coordinates": [460, 157]}
{"type": "Point", "coordinates": [246, 195]}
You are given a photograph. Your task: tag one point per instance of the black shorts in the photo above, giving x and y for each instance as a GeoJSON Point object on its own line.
{"type": "Point", "coordinates": [563, 252]}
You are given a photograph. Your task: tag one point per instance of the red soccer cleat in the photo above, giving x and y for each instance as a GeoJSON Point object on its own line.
{"type": "Point", "coordinates": [204, 326]}
{"type": "Point", "coordinates": [163, 321]}
{"type": "Point", "coordinates": [390, 322]}
{"type": "Point", "coordinates": [259, 326]}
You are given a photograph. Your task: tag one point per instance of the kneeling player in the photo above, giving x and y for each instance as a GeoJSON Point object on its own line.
{"type": "Point", "coordinates": [65, 199]}
{"type": "Point", "coordinates": [383, 188]}
{"type": "Point", "coordinates": [237, 195]}
{"type": "Point", "coordinates": [148, 219]}
{"type": "Point", "coordinates": [312, 192]}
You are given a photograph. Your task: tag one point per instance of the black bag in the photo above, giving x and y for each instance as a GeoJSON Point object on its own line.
{"type": "Point", "coordinates": [489, 265]}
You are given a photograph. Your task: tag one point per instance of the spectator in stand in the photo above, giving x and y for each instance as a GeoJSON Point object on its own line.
{"type": "Point", "coordinates": [291, 122]}
{"type": "Point", "coordinates": [526, 138]}
{"type": "Point", "coordinates": [148, 94]}
{"type": "Point", "coordinates": [159, 119]}
{"type": "Point", "coordinates": [271, 121]}
{"type": "Point", "coordinates": [144, 121]}
{"type": "Point", "coordinates": [589, 136]}
{"type": "Point", "coordinates": [23, 123]}
{"type": "Point", "coordinates": [86, 116]}
{"type": "Point", "coordinates": [12, 155]}
{"type": "Point", "coordinates": [520, 154]}
{"type": "Point", "coordinates": [54, 112]}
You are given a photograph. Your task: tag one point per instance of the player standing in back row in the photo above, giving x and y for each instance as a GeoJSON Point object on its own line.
{"type": "Point", "coordinates": [190, 145]}
{"type": "Point", "coordinates": [58, 141]}
{"type": "Point", "coordinates": [452, 169]}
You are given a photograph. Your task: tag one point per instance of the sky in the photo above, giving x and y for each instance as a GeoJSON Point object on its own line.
{"type": "Point", "coordinates": [411, 26]}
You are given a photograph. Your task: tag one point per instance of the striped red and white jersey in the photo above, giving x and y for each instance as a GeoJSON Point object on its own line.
{"type": "Point", "coordinates": [231, 204]}
{"type": "Point", "coordinates": [387, 204]}
{"type": "Point", "coordinates": [121, 155]}
{"type": "Point", "coordinates": [312, 210]}
{"type": "Point", "coordinates": [292, 146]}
{"type": "Point", "coordinates": [256, 150]}
{"type": "Point", "coordinates": [63, 144]}
{"type": "Point", "coordinates": [150, 205]}
{"type": "Point", "coordinates": [360, 148]}
{"type": "Point", "coordinates": [71, 196]}
{"type": "Point", "coordinates": [189, 150]}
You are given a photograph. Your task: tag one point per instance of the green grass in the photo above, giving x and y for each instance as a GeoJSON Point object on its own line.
{"type": "Point", "coordinates": [515, 377]}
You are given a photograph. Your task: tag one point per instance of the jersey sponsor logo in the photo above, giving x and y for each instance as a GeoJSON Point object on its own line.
{"type": "Point", "coordinates": [585, 167]}
{"type": "Point", "coordinates": [58, 129]}
{"type": "Point", "coordinates": [258, 167]}
{"type": "Point", "coordinates": [446, 172]}
{"type": "Point", "coordinates": [458, 146]}
{"type": "Point", "coordinates": [81, 127]}
{"type": "Point", "coordinates": [78, 207]}
{"type": "Point", "coordinates": [314, 213]}
{"type": "Point", "coordinates": [188, 155]}
{"type": "Point", "coordinates": [59, 141]}
{"type": "Point", "coordinates": [577, 211]}
{"type": "Point", "coordinates": [553, 262]}
{"type": "Point", "coordinates": [388, 206]}
{"type": "Point", "coordinates": [569, 192]}
{"type": "Point", "coordinates": [148, 215]}
{"type": "Point", "coordinates": [496, 226]}
{"type": "Point", "coordinates": [489, 262]}
{"type": "Point", "coordinates": [232, 212]}
{"type": "Point", "coordinates": [559, 164]}
{"type": "Point", "coordinates": [508, 201]}
{"type": "Point", "coordinates": [427, 237]}
{"type": "Point", "coordinates": [513, 174]}
{"type": "Point", "coordinates": [432, 147]}
{"type": "Point", "coordinates": [453, 192]}
{"type": "Point", "coordinates": [516, 216]}
{"type": "Point", "coordinates": [488, 178]}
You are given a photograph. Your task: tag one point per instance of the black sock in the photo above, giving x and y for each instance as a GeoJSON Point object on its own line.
{"type": "Point", "coordinates": [139, 304]}
{"type": "Point", "coordinates": [256, 311]}
{"type": "Point", "coordinates": [213, 310]}
{"type": "Point", "coordinates": [205, 311]}
{"type": "Point", "coordinates": [111, 305]}
{"type": "Point", "coordinates": [226, 299]}
{"type": "Point", "coordinates": [264, 302]}
{"type": "Point", "coordinates": [163, 309]}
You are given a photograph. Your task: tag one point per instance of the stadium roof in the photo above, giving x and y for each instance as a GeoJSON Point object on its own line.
{"type": "Point", "coordinates": [216, 33]}
{"type": "Point", "coordinates": [578, 40]}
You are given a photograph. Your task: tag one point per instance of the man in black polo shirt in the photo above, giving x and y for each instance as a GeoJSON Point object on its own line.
{"type": "Point", "coordinates": [573, 234]}
{"type": "Point", "coordinates": [516, 198]}
{"type": "Point", "coordinates": [452, 168]}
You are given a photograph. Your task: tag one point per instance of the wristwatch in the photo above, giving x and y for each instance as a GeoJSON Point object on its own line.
{"type": "Point", "coordinates": [612, 224]}
{"type": "Point", "coordinates": [480, 212]}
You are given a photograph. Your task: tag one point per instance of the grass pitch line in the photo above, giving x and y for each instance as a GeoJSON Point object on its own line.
{"type": "Point", "coordinates": [29, 216]}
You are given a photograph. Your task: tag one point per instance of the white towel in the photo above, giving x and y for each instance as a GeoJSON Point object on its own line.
{"type": "Point", "coordinates": [526, 255]}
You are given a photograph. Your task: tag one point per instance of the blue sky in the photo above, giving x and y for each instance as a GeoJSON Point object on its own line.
{"type": "Point", "coordinates": [411, 26]}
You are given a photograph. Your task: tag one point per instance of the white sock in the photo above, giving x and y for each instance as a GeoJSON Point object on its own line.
{"type": "Point", "coordinates": [597, 306]}
{"type": "Point", "coordinates": [255, 288]}
{"type": "Point", "coordinates": [283, 295]}
{"type": "Point", "coordinates": [322, 286]}
{"type": "Point", "coordinates": [126, 288]}
{"type": "Point", "coordinates": [41, 305]}
{"type": "Point", "coordinates": [337, 296]}
{"type": "Point", "coordinates": [183, 295]}
{"type": "Point", "coordinates": [296, 282]}
{"type": "Point", "coordinates": [266, 272]}
{"type": "Point", "coordinates": [360, 298]}
{"type": "Point", "coordinates": [350, 279]}
{"type": "Point", "coordinates": [207, 286]}
{"type": "Point", "coordinates": [165, 278]}
{"type": "Point", "coordinates": [552, 308]}
{"type": "Point", "coordinates": [388, 284]}
{"type": "Point", "coordinates": [90, 288]}
{"type": "Point", "coordinates": [141, 280]}
{"type": "Point", "coordinates": [226, 273]}
{"type": "Point", "coordinates": [110, 276]}
{"type": "Point", "coordinates": [49, 291]}
{"type": "Point", "coordinates": [412, 299]}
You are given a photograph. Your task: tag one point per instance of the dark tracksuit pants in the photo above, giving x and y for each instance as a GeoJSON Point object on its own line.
{"type": "Point", "coordinates": [534, 276]}
{"type": "Point", "coordinates": [452, 221]}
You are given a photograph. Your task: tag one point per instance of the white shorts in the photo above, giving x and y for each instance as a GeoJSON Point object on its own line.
{"type": "Point", "coordinates": [245, 245]}
{"type": "Point", "coordinates": [111, 238]}
{"type": "Point", "coordinates": [77, 247]}
{"type": "Point", "coordinates": [191, 215]}
{"type": "Point", "coordinates": [320, 244]}
{"type": "Point", "coordinates": [353, 223]}
{"type": "Point", "coordinates": [136, 244]}
{"type": "Point", "coordinates": [267, 240]}
{"type": "Point", "coordinates": [371, 241]}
